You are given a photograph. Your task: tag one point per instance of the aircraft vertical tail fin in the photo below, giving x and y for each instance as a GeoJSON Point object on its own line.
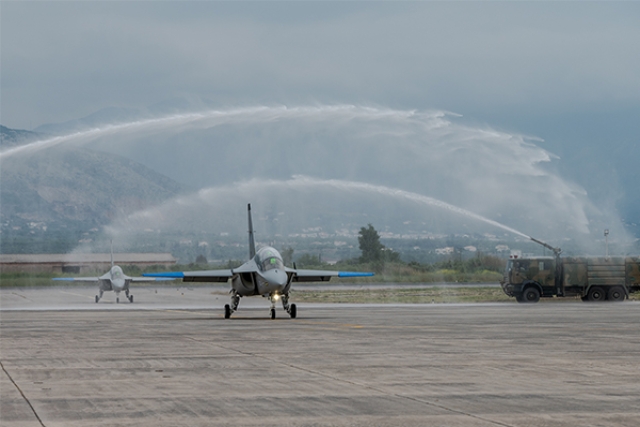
{"type": "Point", "coordinates": [252, 243]}
{"type": "Point", "coordinates": [111, 253]}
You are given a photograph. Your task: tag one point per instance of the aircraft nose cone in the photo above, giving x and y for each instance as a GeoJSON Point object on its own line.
{"type": "Point", "coordinates": [277, 277]}
{"type": "Point", "coordinates": [117, 285]}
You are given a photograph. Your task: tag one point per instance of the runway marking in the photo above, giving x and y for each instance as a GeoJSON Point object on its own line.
{"type": "Point", "coordinates": [22, 394]}
{"type": "Point", "coordinates": [21, 296]}
{"type": "Point", "coordinates": [172, 310]}
{"type": "Point", "coordinates": [343, 325]}
{"type": "Point", "coordinates": [78, 295]}
{"type": "Point", "coordinates": [355, 326]}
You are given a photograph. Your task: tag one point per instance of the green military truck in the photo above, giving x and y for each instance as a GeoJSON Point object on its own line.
{"type": "Point", "coordinates": [591, 278]}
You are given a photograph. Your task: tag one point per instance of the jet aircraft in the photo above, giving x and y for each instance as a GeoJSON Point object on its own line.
{"type": "Point", "coordinates": [264, 274]}
{"type": "Point", "coordinates": [114, 280]}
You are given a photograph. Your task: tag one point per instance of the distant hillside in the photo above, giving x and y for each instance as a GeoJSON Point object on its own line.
{"type": "Point", "coordinates": [13, 137]}
{"type": "Point", "coordinates": [113, 115]}
{"type": "Point", "coordinates": [104, 116]}
{"type": "Point", "coordinates": [71, 192]}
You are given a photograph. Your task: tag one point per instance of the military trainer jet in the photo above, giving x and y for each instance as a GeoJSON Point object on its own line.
{"type": "Point", "coordinates": [114, 280]}
{"type": "Point", "coordinates": [264, 274]}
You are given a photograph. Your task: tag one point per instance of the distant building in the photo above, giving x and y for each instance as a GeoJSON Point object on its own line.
{"type": "Point", "coordinates": [445, 251]}
{"type": "Point", "coordinates": [78, 263]}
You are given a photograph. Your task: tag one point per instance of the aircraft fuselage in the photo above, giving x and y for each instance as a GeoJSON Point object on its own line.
{"type": "Point", "coordinates": [263, 275]}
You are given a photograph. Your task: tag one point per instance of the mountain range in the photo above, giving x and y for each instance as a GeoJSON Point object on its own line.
{"type": "Point", "coordinates": [71, 190]}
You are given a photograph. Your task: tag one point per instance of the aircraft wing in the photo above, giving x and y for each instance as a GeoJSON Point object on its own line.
{"type": "Point", "coordinates": [322, 275]}
{"type": "Point", "coordinates": [150, 279]}
{"type": "Point", "coordinates": [195, 276]}
{"type": "Point", "coordinates": [78, 279]}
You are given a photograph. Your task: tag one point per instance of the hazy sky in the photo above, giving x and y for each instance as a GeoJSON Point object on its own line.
{"type": "Point", "coordinates": [65, 60]}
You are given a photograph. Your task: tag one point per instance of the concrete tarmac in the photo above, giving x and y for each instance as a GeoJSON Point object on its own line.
{"type": "Point", "coordinates": [176, 363]}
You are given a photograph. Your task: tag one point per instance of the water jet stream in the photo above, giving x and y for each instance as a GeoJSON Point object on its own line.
{"type": "Point", "coordinates": [212, 196]}
{"type": "Point", "coordinates": [218, 117]}
{"type": "Point", "coordinates": [394, 192]}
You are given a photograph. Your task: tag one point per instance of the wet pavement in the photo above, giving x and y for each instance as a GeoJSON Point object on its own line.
{"type": "Point", "coordinates": [171, 360]}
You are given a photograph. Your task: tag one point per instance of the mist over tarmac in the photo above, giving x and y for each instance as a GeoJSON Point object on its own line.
{"type": "Point", "coordinates": [346, 152]}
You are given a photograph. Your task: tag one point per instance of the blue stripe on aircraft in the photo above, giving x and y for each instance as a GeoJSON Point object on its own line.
{"type": "Point", "coordinates": [175, 275]}
{"type": "Point", "coordinates": [353, 274]}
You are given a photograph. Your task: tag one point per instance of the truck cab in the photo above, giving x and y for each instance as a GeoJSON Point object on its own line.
{"type": "Point", "coordinates": [529, 279]}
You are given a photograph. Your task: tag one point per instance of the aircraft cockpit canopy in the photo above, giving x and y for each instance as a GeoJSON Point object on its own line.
{"type": "Point", "coordinates": [116, 272]}
{"type": "Point", "coordinates": [268, 259]}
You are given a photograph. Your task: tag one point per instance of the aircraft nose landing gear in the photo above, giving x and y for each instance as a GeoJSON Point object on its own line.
{"type": "Point", "coordinates": [272, 311]}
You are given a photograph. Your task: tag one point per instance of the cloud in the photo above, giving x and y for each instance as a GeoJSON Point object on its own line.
{"type": "Point", "coordinates": [64, 60]}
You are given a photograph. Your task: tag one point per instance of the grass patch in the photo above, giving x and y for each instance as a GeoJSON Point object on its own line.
{"type": "Point", "coordinates": [437, 295]}
{"type": "Point", "coordinates": [20, 280]}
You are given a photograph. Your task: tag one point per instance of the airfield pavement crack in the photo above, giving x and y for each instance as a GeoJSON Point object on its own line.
{"type": "Point", "coordinates": [365, 386]}
{"type": "Point", "coordinates": [22, 394]}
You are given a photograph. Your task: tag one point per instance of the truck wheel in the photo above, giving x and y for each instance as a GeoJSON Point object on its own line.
{"type": "Point", "coordinates": [596, 294]}
{"type": "Point", "coordinates": [531, 295]}
{"type": "Point", "coordinates": [616, 294]}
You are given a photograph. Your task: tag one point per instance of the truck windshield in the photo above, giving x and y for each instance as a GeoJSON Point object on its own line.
{"type": "Point", "coordinates": [518, 266]}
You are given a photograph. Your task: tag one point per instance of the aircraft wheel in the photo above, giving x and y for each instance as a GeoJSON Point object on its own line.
{"type": "Point", "coordinates": [131, 298]}
{"type": "Point", "coordinates": [97, 299]}
{"type": "Point", "coordinates": [117, 300]}
{"type": "Point", "coordinates": [227, 311]}
{"type": "Point", "coordinates": [293, 311]}
{"type": "Point", "coordinates": [273, 313]}
{"type": "Point", "coordinates": [596, 294]}
{"type": "Point", "coordinates": [616, 294]}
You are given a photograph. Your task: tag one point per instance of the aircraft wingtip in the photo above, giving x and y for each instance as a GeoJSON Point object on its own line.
{"type": "Point", "coordinates": [354, 274]}
{"type": "Point", "coordinates": [173, 275]}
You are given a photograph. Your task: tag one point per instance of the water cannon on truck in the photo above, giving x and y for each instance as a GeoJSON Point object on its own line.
{"type": "Point", "coordinates": [591, 278]}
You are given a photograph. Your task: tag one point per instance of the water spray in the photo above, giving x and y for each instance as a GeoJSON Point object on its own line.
{"type": "Point", "coordinates": [427, 138]}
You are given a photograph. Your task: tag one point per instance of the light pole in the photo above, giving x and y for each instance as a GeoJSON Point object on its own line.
{"type": "Point", "coordinates": [606, 241]}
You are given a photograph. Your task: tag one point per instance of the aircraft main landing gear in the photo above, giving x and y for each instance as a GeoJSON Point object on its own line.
{"type": "Point", "coordinates": [98, 297]}
{"type": "Point", "coordinates": [129, 297]}
{"type": "Point", "coordinates": [289, 308]}
{"type": "Point", "coordinates": [228, 309]}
